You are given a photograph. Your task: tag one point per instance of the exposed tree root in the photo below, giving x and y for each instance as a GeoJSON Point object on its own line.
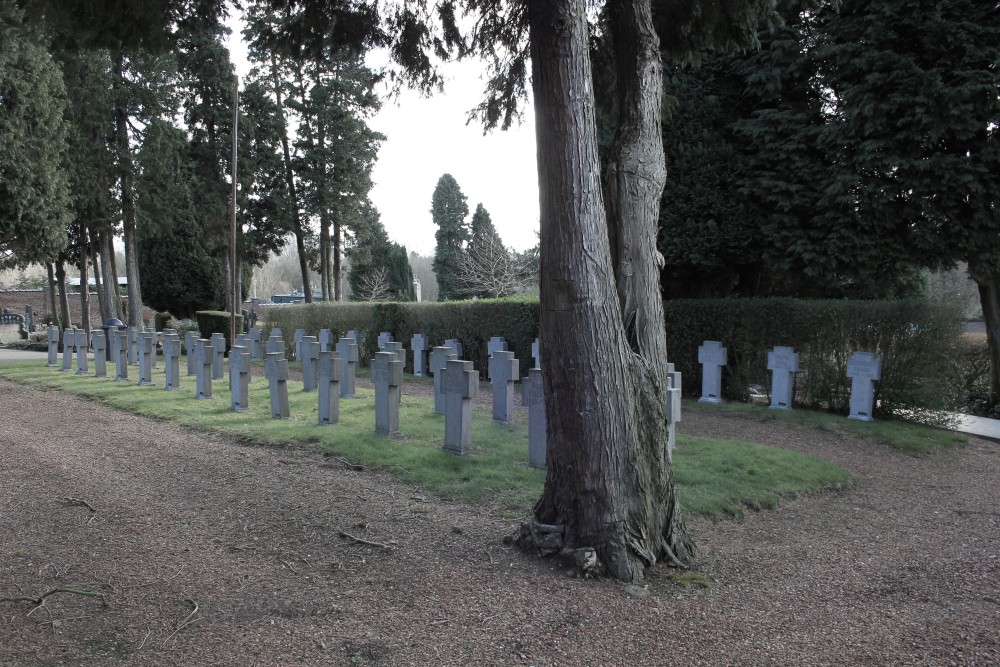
{"type": "Point", "coordinates": [40, 600]}
{"type": "Point", "coordinates": [360, 540]}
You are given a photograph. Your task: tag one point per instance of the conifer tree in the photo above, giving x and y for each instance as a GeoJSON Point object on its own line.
{"type": "Point", "coordinates": [448, 211]}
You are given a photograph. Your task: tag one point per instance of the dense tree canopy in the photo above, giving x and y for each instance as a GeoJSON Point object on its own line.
{"type": "Point", "coordinates": [449, 209]}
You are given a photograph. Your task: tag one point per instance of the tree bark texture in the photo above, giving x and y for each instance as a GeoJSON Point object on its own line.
{"type": "Point", "coordinates": [609, 486]}
{"type": "Point", "coordinates": [98, 282]}
{"type": "Point", "coordinates": [989, 298]}
{"type": "Point", "coordinates": [113, 305]}
{"type": "Point", "coordinates": [63, 297]}
{"type": "Point", "coordinates": [127, 195]}
{"type": "Point", "coordinates": [84, 261]}
{"type": "Point", "coordinates": [52, 295]}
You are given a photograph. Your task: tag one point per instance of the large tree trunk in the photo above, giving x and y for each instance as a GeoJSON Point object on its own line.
{"type": "Point", "coordinates": [111, 305]}
{"type": "Point", "coordinates": [84, 279]}
{"type": "Point", "coordinates": [126, 193]}
{"type": "Point", "coordinates": [52, 295]}
{"type": "Point", "coordinates": [63, 297]}
{"type": "Point", "coordinates": [98, 282]}
{"type": "Point", "coordinates": [338, 268]}
{"type": "Point", "coordinates": [989, 298]}
{"type": "Point", "coordinates": [609, 499]}
{"type": "Point", "coordinates": [324, 254]}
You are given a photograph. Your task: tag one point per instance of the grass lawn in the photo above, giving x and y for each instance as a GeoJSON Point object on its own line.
{"type": "Point", "coordinates": [715, 477]}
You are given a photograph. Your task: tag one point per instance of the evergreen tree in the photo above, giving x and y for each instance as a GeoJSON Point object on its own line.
{"type": "Point", "coordinates": [380, 270]}
{"type": "Point", "coordinates": [448, 211]}
{"type": "Point", "coordinates": [34, 192]}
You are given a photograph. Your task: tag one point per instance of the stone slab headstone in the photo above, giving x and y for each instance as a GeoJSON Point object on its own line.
{"type": "Point", "coordinates": [120, 354]}
{"type": "Point", "coordinates": [309, 347]}
{"type": "Point", "coordinates": [712, 357]}
{"type": "Point", "coordinates": [53, 346]}
{"type": "Point", "coordinates": [147, 348]}
{"type": "Point", "coordinates": [536, 353]}
{"type": "Point", "coordinates": [418, 343]}
{"type": "Point", "coordinates": [864, 368]}
{"type": "Point", "coordinates": [329, 371]}
{"type": "Point", "coordinates": [239, 377]}
{"type": "Point", "coordinates": [347, 351]}
{"type": "Point", "coordinates": [383, 338]}
{"type": "Point", "coordinates": [206, 360]}
{"type": "Point", "coordinates": [387, 377]}
{"type": "Point", "coordinates": [783, 362]}
{"type": "Point", "coordinates": [172, 362]}
{"type": "Point", "coordinates": [100, 353]}
{"type": "Point", "coordinates": [299, 333]}
{"type": "Point", "coordinates": [440, 356]}
{"type": "Point", "coordinates": [461, 384]}
{"type": "Point", "coordinates": [276, 372]}
{"type": "Point", "coordinates": [325, 340]}
{"type": "Point", "coordinates": [455, 345]}
{"type": "Point", "coordinates": [69, 346]}
{"type": "Point", "coordinates": [219, 360]}
{"type": "Point", "coordinates": [81, 345]}
{"type": "Point", "coordinates": [504, 369]}
{"type": "Point", "coordinates": [190, 343]}
{"type": "Point", "coordinates": [534, 399]}
{"type": "Point", "coordinates": [256, 351]}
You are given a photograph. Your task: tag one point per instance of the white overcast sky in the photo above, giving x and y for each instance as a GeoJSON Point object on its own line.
{"type": "Point", "coordinates": [428, 137]}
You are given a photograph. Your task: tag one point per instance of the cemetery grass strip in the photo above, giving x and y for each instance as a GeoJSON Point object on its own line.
{"type": "Point", "coordinates": [716, 478]}
{"type": "Point", "coordinates": [915, 439]}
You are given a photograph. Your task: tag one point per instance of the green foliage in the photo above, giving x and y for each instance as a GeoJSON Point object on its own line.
{"type": "Point", "coordinates": [720, 478]}
{"type": "Point", "coordinates": [448, 210]}
{"type": "Point", "coordinates": [471, 322]}
{"type": "Point", "coordinates": [217, 321]}
{"type": "Point", "coordinates": [916, 341]}
{"type": "Point", "coordinates": [380, 269]}
{"type": "Point", "coordinates": [161, 321]}
{"type": "Point", "coordinates": [34, 192]}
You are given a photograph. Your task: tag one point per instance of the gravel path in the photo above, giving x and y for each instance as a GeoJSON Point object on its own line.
{"type": "Point", "coordinates": [213, 553]}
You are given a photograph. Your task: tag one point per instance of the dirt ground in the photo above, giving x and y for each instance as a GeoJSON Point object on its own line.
{"type": "Point", "coordinates": [210, 552]}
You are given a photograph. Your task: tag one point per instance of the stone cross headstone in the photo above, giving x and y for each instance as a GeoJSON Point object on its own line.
{"type": "Point", "coordinates": [172, 362]}
{"type": "Point", "coordinates": [243, 340]}
{"type": "Point", "coordinates": [29, 319]}
{"type": "Point", "coordinates": [329, 371]}
{"type": "Point", "coordinates": [309, 347]}
{"type": "Point", "coordinates": [864, 368]}
{"type": "Point", "coordinates": [784, 363]}
{"type": "Point", "coordinates": [712, 357]}
{"type": "Point", "coordinates": [299, 333]}
{"type": "Point", "coordinates": [53, 345]}
{"type": "Point", "coordinates": [255, 348]}
{"type": "Point", "coordinates": [419, 346]}
{"type": "Point", "coordinates": [325, 340]}
{"type": "Point", "coordinates": [383, 338]}
{"type": "Point", "coordinates": [352, 334]}
{"type": "Point", "coordinates": [495, 344]}
{"type": "Point", "coordinates": [503, 370]}
{"type": "Point", "coordinates": [672, 409]}
{"type": "Point", "coordinates": [100, 353]}
{"type": "Point", "coordinates": [536, 353]}
{"type": "Point", "coordinates": [133, 345]}
{"type": "Point", "coordinates": [147, 348]}
{"type": "Point", "coordinates": [276, 372]}
{"type": "Point", "coordinates": [81, 346]}
{"type": "Point", "coordinates": [534, 398]}
{"type": "Point", "coordinates": [400, 352]}
{"type": "Point", "coordinates": [156, 339]}
{"type": "Point", "coordinates": [206, 359]}
{"type": "Point", "coordinates": [347, 351]}
{"type": "Point", "coordinates": [455, 345]}
{"type": "Point", "coordinates": [120, 354]}
{"type": "Point", "coordinates": [275, 343]}
{"type": "Point", "coordinates": [461, 384]}
{"type": "Point", "coordinates": [387, 376]}
{"type": "Point", "coordinates": [190, 343]}
{"type": "Point", "coordinates": [440, 356]}
{"type": "Point", "coordinates": [69, 345]}
{"type": "Point", "coordinates": [239, 377]}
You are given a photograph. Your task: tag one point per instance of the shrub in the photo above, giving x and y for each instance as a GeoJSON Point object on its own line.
{"type": "Point", "coordinates": [217, 321]}
{"type": "Point", "coordinates": [161, 321]}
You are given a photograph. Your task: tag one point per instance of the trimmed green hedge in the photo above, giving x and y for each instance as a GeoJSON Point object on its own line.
{"type": "Point", "coordinates": [918, 342]}
{"type": "Point", "coordinates": [217, 321]}
{"type": "Point", "coordinates": [471, 322]}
